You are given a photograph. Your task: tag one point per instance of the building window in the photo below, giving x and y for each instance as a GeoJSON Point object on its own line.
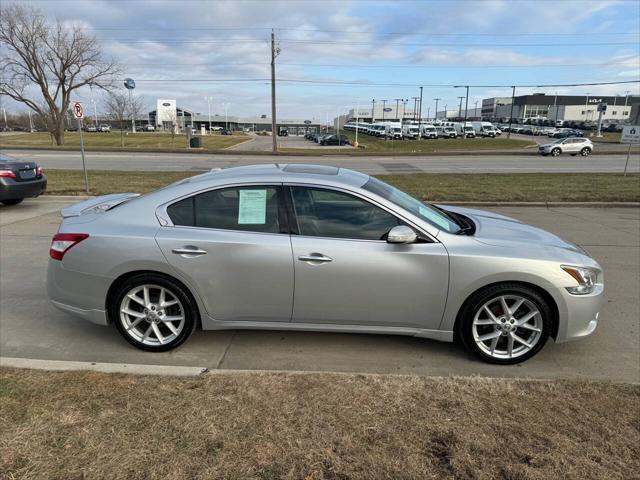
{"type": "Point", "coordinates": [583, 112]}
{"type": "Point", "coordinates": [626, 112]}
{"type": "Point", "coordinates": [614, 112]}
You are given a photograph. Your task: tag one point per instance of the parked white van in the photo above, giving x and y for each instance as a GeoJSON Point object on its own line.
{"type": "Point", "coordinates": [429, 131]}
{"type": "Point", "coordinates": [410, 131]}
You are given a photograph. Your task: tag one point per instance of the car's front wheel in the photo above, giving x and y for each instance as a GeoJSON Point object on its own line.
{"type": "Point", "coordinates": [505, 323]}
{"type": "Point", "coordinates": [585, 152]}
{"type": "Point", "coordinates": [555, 152]}
{"type": "Point", "coordinates": [12, 201]}
{"type": "Point", "coordinates": [153, 313]}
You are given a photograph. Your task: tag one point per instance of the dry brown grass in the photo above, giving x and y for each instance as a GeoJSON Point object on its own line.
{"type": "Point", "coordinates": [267, 426]}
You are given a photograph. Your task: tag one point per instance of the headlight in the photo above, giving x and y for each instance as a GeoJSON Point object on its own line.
{"type": "Point", "coordinates": [586, 278]}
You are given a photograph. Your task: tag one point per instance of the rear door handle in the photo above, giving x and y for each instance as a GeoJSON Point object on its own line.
{"type": "Point", "coordinates": [189, 251]}
{"type": "Point", "coordinates": [315, 257]}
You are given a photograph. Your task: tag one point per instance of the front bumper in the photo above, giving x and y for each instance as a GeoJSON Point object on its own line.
{"type": "Point", "coordinates": [11, 189]}
{"type": "Point", "coordinates": [581, 314]}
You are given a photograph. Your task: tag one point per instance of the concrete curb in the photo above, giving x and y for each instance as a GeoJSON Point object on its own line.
{"type": "Point", "coordinates": [66, 366]}
{"type": "Point", "coordinates": [449, 202]}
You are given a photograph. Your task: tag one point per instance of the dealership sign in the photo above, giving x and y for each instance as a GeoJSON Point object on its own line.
{"type": "Point", "coordinates": [630, 134]}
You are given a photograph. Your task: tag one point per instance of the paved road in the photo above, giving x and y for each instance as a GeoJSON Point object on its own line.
{"type": "Point", "coordinates": [371, 165]}
{"type": "Point", "coordinates": [31, 328]}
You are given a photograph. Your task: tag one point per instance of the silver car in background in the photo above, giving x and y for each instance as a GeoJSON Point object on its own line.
{"type": "Point", "coordinates": [305, 247]}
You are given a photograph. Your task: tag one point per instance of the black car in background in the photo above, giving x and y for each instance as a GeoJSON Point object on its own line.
{"type": "Point", "coordinates": [19, 180]}
{"type": "Point", "coordinates": [334, 140]}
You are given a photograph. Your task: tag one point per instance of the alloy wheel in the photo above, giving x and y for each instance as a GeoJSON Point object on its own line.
{"type": "Point", "coordinates": [507, 327]}
{"type": "Point", "coordinates": [152, 315]}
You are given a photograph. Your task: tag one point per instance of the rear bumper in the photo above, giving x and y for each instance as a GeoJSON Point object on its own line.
{"type": "Point", "coordinates": [11, 189]}
{"type": "Point", "coordinates": [78, 293]}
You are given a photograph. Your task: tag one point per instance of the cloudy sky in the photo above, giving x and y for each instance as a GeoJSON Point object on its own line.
{"type": "Point", "coordinates": [336, 54]}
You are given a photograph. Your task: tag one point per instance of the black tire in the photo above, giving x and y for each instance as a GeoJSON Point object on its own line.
{"type": "Point", "coordinates": [464, 328]}
{"type": "Point", "coordinates": [176, 289]}
{"type": "Point", "coordinates": [585, 152]}
{"type": "Point", "coordinates": [13, 201]}
{"type": "Point", "coordinates": [555, 152]}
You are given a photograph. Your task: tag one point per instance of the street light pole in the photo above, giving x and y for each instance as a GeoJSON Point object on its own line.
{"type": "Point", "coordinates": [384, 106]}
{"type": "Point", "coordinates": [420, 115]}
{"type": "Point", "coordinates": [460, 107]}
{"type": "Point", "coordinates": [373, 110]}
{"type": "Point", "coordinates": [586, 102]}
{"type": "Point", "coordinates": [513, 96]}
{"type": "Point", "coordinates": [209, 109]}
{"type": "Point", "coordinates": [357, 124]}
{"type": "Point", "coordinates": [555, 106]}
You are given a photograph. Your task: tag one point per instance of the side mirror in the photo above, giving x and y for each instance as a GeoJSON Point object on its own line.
{"type": "Point", "coordinates": [401, 234]}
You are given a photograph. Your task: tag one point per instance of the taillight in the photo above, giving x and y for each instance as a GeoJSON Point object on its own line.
{"type": "Point", "coordinates": [7, 174]}
{"type": "Point", "coordinates": [38, 171]}
{"type": "Point", "coordinates": [62, 242]}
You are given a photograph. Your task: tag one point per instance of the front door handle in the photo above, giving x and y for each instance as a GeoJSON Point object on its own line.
{"type": "Point", "coordinates": [189, 251]}
{"type": "Point", "coordinates": [315, 257]}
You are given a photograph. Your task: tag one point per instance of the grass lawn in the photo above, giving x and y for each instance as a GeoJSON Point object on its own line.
{"type": "Point", "coordinates": [608, 137]}
{"type": "Point", "coordinates": [75, 425]}
{"type": "Point", "coordinates": [525, 187]}
{"type": "Point", "coordinates": [112, 140]}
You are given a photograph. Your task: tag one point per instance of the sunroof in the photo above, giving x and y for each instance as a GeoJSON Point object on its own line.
{"type": "Point", "coordinates": [314, 169]}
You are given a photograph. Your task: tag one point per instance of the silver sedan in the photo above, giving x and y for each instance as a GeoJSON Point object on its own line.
{"type": "Point", "coordinates": [304, 247]}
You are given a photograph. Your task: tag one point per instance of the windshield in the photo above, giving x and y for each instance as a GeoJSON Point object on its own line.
{"type": "Point", "coordinates": [405, 201]}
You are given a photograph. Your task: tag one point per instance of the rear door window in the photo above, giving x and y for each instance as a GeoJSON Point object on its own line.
{"type": "Point", "coordinates": [250, 208]}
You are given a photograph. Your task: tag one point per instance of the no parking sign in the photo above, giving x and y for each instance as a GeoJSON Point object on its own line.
{"type": "Point", "coordinates": [78, 111]}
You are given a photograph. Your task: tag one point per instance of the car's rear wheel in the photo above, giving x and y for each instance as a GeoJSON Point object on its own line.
{"type": "Point", "coordinates": [505, 324]}
{"type": "Point", "coordinates": [153, 313]}
{"type": "Point", "coordinates": [555, 152]}
{"type": "Point", "coordinates": [585, 152]}
{"type": "Point", "coordinates": [12, 201]}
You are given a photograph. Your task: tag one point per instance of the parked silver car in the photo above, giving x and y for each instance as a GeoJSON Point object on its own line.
{"type": "Point", "coordinates": [304, 247]}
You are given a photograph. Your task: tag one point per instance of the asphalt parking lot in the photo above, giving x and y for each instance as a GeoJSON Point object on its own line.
{"type": "Point", "coordinates": [31, 328]}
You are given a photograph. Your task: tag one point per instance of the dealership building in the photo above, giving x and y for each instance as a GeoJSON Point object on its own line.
{"type": "Point", "coordinates": [168, 115]}
{"type": "Point", "coordinates": [577, 108]}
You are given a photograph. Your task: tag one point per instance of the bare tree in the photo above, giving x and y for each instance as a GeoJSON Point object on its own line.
{"type": "Point", "coordinates": [119, 109]}
{"type": "Point", "coordinates": [55, 59]}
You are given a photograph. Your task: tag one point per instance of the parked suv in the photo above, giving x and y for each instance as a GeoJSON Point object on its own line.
{"type": "Point", "coordinates": [573, 146]}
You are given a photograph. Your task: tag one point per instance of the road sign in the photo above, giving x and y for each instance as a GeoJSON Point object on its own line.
{"type": "Point", "coordinates": [602, 107]}
{"type": "Point", "coordinates": [78, 112]}
{"type": "Point", "coordinates": [630, 134]}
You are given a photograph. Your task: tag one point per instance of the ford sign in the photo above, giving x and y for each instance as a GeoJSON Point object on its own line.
{"type": "Point", "coordinates": [166, 104]}
{"type": "Point", "coordinates": [129, 84]}
{"type": "Point", "coordinates": [387, 109]}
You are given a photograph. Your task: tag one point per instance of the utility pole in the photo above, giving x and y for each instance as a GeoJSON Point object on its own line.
{"type": "Point", "coordinates": [466, 106]}
{"type": "Point", "coordinates": [398, 111]}
{"type": "Point", "coordinates": [274, 53]}
{"type": "Point", "coordinates": [475, 110]}
{"type": "Point", "coordinates": [209, 109]}
{"type": "Point", "coordinates": [435, 115]}
{"type": "Point", "coordinates": [513, 96]}
{"type": "Point", "coordinates": [384, 106]}
{"type": "Point", "coordinates": [373, 109]}
{"type": "Point", "coordinates": [555, 107]}
{"type": "Point", "coordinates": [420, 115]}
{"type": "Point", "coordinates": [415, 106]}
{"type": "Point", "coordinates": [460, 107]}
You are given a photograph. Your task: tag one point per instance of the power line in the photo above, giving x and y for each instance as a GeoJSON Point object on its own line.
{"type": "Point", "coordinates": [337, 42]}
{"type": "Point", "coordinates": [373, 84]}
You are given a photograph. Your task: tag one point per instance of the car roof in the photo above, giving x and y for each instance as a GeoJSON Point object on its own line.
{"type": "Point", "coordinates": [282, 173]}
